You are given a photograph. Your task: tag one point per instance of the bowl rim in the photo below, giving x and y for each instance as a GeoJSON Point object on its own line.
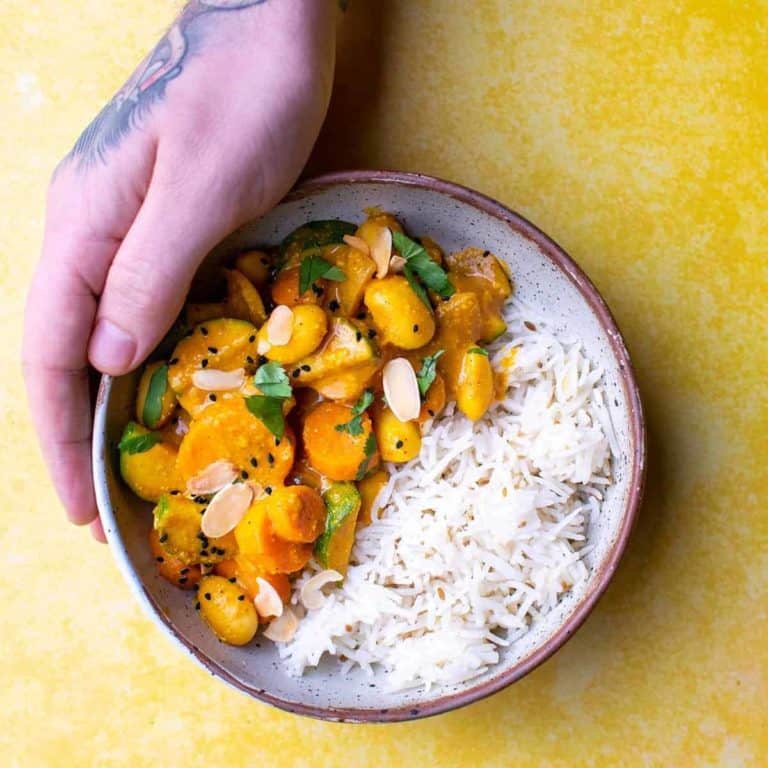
{"type": "Point", "coordinates": [606, 569]}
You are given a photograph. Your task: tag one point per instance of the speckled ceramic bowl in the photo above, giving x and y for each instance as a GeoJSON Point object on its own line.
{"type": "Point", "coordinates": [546, 278]}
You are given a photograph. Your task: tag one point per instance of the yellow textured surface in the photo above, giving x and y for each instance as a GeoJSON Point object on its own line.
{"type": "Point", "coordinates": [635, 134]}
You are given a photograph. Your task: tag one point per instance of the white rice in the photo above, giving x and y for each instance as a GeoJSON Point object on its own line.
{"type": "Point", "coordinates": [482, 533]}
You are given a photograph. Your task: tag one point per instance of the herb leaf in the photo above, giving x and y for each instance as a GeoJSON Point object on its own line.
{"type": "Point", "coordinates": [316, 234]}
{"type": "Point", "coordinates": [315, 267]}
{"type": "Point", "coordinates": [431, 273]}
{"type": "Point", "coordinates": [269, 410]}
{"type": "Point", "coordinates": [477, 351]}
{"type": "Point", "coordinates": [135, 440]}
{"type": "Point", "coordinates": [426, 376]}
{"type": "Point", "coordinates": [355, 425]}
{"type": "Point", "coordinates": [417, 287]}
{"type": "Point", "coordinates": [370, 452]}
{"type": "Point", "coordinates": [272, 380]}
{"type": "Point", "coordinates": [153, 402]}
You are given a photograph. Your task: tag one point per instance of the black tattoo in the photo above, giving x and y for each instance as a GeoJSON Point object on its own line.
{"type": "Point", "coordinates": [147, 84]}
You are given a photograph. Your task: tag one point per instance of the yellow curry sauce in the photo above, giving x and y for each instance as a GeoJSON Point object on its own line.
{"type": "Point", "coordinates": [261, 438]}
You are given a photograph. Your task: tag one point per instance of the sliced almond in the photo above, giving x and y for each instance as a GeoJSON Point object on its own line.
{"type": "Point", "coordinates": [401, 389]}
{"type": "Point", "coordinates": [353, 241]}
{"type": "Point", "coordinates": [263, 346]}
{"type": "Point", "coordinates": [311, 594]}
{"type": "Point", "coordinates": [213, 478]}
{"type": "Point", "coordinates": [268, 603]}
{"type": "Point", "coordinates": [226, 510]}
{"type": "Point", "coordinates": [381, 251]}
{"type": "Point", "coordinates": [214, 380]}
{"type": "Point", "coordinates": [283, 629]}
{"type": "Point", "coordinates": [396, 264]}
{"type": "Point", "coordinates": [280, 326]}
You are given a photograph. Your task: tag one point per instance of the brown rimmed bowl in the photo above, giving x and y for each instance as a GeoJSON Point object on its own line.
{"type": "Point", "coordinates": [546, 278]}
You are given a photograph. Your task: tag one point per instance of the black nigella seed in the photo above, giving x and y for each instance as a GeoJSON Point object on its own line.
{"type": "Point", "coordinates": [268, 490]}
{"type": "Point", "coordinates": [204, 362]}
{"type": "Point", "coordinates": [174, 492]}
{"type": "Point", "coordinates": [486, 253]}
{"type": "Point", "coordinates": [306, 368]}
{"type": "Point", "coordinates": [183, 580]}
{"type": "Point", "coordinates": [241, 597]}
{"type": "Point", "coordinates": [163, 537]}
{"type": "Point", "coordinates": [173, 361]}
{"type": "Point", "coordinates": [361, 315]}
{"type": "Point", "coordinates": [160, 559]}
{"type": "Point", "coordinates": [184, 571]}
{"type": "Point", "coordinates": [277, 441]}
{"type": "Point", "coordinates": [197, 605]}
{"type": "Point", "coordinates": [212, 397]}
{"type": "Point", "coordinates": [333, 305]}
{"type": "Point", "coordinates": [202, 536]}
{"type": "Point", "coordinates": [249, 360]}
{"type": "Point", "coordinates": [430, 412]}
{"type": "Point", "coordinates": [199, 499]}
{"type": "Point", "coordinates": [270, 458]}
{"type": "Point", "coordinates": [213, 350]}
{"type": "Point", "coordinates": [203, 330]}
{"type": "Point", "coordinates": [203, 553]}
{"type": "Point", "coordinates": [296, 373]}
{"type": "Point", "coordinates": [244, 475]}
{"type": "Point", "coordinates": [399, 444]}
{"type": "Point", "coordinates": [254, 462]}
{"type": "Point", "coordinates": [207, 595]}
{"type": "Point", "coordinates": [358, 335]}
{"type": "Point", "coordinates": [317, 289]}
{"type": "Point", "coordinates": [251, 339]}
{"type": "Point", "coordinates": [371, 333]}
{"type": "Point", "coordinates": [263, 360]}
{"type": "Point", "coordinates": [415, 328]}
{"type": "Point", "coordinates": [232, 580]}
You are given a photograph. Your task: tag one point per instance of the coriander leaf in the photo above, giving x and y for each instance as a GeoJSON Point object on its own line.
{"type": "Point", "coordinates": [162, 508]}
{"type": "Point", "coordinates": [315, 267]}
{"type": "Point", "coordinates": [136, 441]}
{"type": "Point", "coordinates": [370, 452]}
{"type": "Point", "coordinates": [355, 425]}
{"type": "Point", "coordinates": [426, 376]}
{"type": "Point", "coordinates": [477, 351]}
{"type": "Point", "coordinates": [153, 402]}
{"type": "Point", "coordinates": [431, 273]}
{"type": "Point", "coordinates": [269, 410]}
{"type": "Point", "coordinates": [417, 287]}
{"type": "Point", "coordinates": [316, 234]}
{"type": "Point", "coordinates": [272, 380]}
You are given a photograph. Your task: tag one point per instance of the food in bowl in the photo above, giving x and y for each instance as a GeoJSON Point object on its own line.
{"type": "Point", "coordinates": [373, 451]}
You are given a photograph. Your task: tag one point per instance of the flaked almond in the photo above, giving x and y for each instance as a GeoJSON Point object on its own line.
{"type": "Point", "coordinates": [280, 326]}
{"type": "Point", "coordinates": [213, 478]}
{"type": "Point", "coordinates": [268, 603]}
{"type": "Point", "coordinates": [381, 251]}
{"type": "Point", "coordinates": [283, 629]}
{"type": "Point", "coordinates": [226, 510]}
{"type": "Point", "coordinates": [214, 380]}
{"type": "Point", "coordinates": [311, 594]}
{"type": "Point", "coordinates": [401, 390]}
{"type": "Point", "coordinates": [396, 264]}
{"type": "Point", "coordinates": [353, 241]}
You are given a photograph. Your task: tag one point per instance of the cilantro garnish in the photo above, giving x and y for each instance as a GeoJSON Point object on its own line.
{"type": "Point", "coordinates": [426, 376]}
{"type": "Point", "coordinates": [273, 381]}
{"type": "Point", "coordinates": [315, 267]}
{"type": "Point", "coordinates": [355, 425]}
{"type": "Point", "coordinates": [477, 351]}
{"type": "Point", "coordinates": [418, 263]}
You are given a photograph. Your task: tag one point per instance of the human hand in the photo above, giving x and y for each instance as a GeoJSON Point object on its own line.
{"type": "Point", "coordinates": [211, 130]}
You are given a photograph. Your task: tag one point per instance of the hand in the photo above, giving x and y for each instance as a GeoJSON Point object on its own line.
{"type": "Point", "coordinates": [211, 130]}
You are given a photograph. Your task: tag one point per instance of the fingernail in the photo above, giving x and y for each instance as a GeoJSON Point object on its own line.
{"type": "Point", "coordinates": [111, 349]}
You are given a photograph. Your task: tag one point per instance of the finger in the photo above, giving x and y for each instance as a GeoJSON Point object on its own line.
{"type": "Point", "coordinates": [151, 273]}
{"type": "Point", "coordinates": [97, 531]}
{"type": "Point", "coordinates": [59, 317]}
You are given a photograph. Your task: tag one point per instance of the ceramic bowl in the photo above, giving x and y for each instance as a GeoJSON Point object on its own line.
{"type": "Point", "coordinates": [546, 278]}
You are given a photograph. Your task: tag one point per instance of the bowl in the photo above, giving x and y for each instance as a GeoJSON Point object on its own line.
{"type": "Point", "coordinates": [544, 276]}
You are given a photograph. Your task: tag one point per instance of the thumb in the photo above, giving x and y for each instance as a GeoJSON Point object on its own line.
{"type": "Point", "coordinates": [150, 275]}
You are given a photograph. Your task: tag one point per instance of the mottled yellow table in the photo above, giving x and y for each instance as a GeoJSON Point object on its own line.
{"type": "Point", "coordinates": [635, 133]}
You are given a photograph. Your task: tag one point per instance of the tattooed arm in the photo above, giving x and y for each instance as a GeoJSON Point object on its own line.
{"type": "Point", "coordinates": [212, 129]}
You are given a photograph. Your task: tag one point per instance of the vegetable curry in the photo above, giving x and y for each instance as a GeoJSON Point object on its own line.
{"type": "Point", "coordinates": [266, 436]}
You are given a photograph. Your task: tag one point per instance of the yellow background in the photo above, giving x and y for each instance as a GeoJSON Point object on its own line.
{"type": "Point", "coordinates": [635, 133]}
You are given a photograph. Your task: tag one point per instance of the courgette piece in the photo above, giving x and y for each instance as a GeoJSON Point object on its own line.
{"type": "Point", "coordinates": [333, 548]}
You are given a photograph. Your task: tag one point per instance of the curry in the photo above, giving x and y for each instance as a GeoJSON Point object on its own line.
{"type": "Point", "coordinates": [267, 434]}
